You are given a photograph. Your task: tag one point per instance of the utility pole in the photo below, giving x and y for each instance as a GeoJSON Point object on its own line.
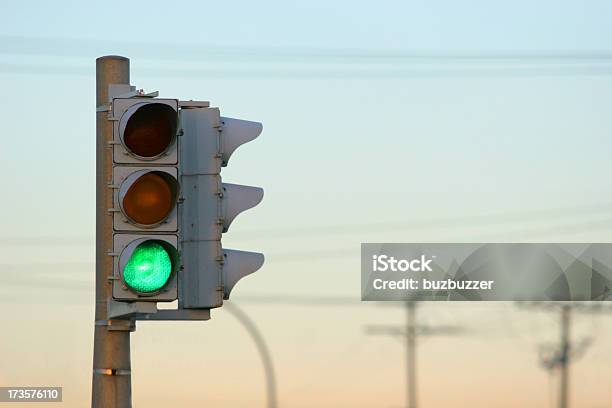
{"type": "Point", "coordinates": [561, 355]}
{"type": "Point", "coordinates": [411, 381]}
{"type": "Point", "coordinates": [111, 385]}
{"type": "Point", "coordinates": [408, 334]}
{"type": "Point", "coordinates": [565, 355]}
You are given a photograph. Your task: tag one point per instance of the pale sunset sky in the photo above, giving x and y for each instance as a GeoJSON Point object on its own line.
{"type": "Point", "coordinates": [387, 121]}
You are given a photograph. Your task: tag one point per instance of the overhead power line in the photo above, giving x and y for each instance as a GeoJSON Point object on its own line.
{"type": "Point", "coordinates": [306, 73]}
{"type": "Point", "coordinates": [494, 218]}
{"type": "Point", "coordinates": [297, 62]}
{"type": "Point", "coordinates": [73, 47]}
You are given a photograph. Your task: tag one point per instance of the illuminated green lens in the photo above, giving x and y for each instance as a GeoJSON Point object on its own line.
{"type": "Point", "coordinates": [149, 268]}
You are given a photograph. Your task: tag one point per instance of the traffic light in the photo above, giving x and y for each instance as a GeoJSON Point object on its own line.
{"type": "Point", "coordinates": [209, 207]}
{"type": "Point", "coordinates": [146, 192]}
{"type": "Point", "coordinates": [161, 209]}
{"type": "Point", "coordinates": [170, 207]}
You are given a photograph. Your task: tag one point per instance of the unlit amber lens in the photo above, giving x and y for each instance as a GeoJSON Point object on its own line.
{"type": "Point", "coordinates": [151, 130]}
{"type": "Point", "coordinates": [149, 200]}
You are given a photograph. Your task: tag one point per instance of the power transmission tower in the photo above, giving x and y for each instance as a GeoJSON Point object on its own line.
{"type": "Point", "coordinates": [409, 335]}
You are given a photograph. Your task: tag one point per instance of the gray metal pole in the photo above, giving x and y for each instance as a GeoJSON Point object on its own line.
{"type": "Point", "coordinates": [264, 352]}
{"type": "Point", "coordinates": [411, 335]}
{"type": "Point", "coordinates": [111, 384]}
{"type": "Point", "coordinates": [565, 352]}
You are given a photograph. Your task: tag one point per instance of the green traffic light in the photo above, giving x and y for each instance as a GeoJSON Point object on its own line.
{"type": "Point", "coordinates": [149, 268]}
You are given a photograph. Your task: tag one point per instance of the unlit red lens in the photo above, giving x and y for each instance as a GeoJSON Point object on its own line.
{"type": "Point", "coordinates": [150, 199]}
{"type": "Point", "coordinates": [151, 130]}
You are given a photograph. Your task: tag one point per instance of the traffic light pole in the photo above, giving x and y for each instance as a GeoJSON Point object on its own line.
{"type": "Point", "coordinates": [111, 385]}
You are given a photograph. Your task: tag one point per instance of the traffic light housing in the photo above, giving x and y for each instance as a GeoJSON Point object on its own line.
{"type": "Point", "coordinates": [146, 192]}
{"type": "Point", "coordinates": [170, 207]}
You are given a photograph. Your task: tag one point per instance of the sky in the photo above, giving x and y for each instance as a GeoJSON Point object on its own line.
{"type": "Point", "coordinates": [388, 121]}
